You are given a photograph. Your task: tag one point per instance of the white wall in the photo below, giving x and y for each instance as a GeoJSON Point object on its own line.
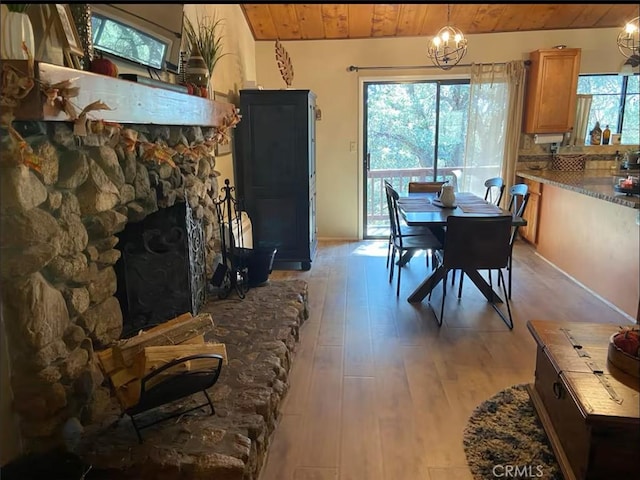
{"type": "Point", "coordinates": [322, 67]}
{"type": "Point", "coordinates": [234, 69]}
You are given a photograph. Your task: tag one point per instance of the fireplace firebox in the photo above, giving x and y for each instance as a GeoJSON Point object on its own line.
{"type": "Point", "coordinates": [160, 274]}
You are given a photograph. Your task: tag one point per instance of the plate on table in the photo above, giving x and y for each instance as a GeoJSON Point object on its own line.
{"type": "Point", "coordinates": [438, 203]}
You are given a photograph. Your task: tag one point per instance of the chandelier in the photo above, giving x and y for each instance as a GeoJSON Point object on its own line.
{"type": "Point", "coordinates": [448, 47]}
{"type": "Point", "coordinates": [628, 43]}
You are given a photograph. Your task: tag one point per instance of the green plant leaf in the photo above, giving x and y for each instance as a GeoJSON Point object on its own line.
{"type": "Point", "coordinates": [18, 7]}
{"type": "Point", "coordinates": [204, 34]}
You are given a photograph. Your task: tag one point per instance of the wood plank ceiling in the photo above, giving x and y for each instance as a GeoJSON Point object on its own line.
{"type": "Point", "coordinates": [322, 21]}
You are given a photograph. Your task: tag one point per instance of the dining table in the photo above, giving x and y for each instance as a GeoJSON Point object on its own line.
{"type": "Point", "coordinates": [425, 209]}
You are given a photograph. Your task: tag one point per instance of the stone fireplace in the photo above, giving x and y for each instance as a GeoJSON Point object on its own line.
{"type": "Point", "coordinates": [60, 243]}
{"type": "Point", "coordinates": [61, 227]}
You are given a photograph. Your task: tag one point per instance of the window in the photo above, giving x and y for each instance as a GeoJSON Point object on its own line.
{"type": "Point", "coordinates": [419, 125]}
{"type": "Point", "coordinates": [414, 130]}
{"type": "Point", "coordinates": [116, 38]}
{"type": "Point", "coordinates": [615, 103]}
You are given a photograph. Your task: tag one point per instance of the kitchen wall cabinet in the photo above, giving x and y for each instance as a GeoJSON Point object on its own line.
{"type": "Point", "coordinates": [551, 92]}
{"type": "Point", "coordinates": [275, 171]}
{"type": "Point", "coordinates": [531, 214]}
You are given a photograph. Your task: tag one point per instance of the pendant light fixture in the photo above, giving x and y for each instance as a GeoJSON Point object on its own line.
{"type": "Point", "coordinates": [628, 42]}
{"type": "Point", "coordinates": [449, 45]}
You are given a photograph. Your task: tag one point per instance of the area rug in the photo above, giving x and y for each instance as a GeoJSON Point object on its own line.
{"type": "Point", "coordinates": [505, 439]}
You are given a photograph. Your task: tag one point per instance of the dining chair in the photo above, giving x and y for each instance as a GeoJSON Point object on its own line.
{"type": "Point", "coordinates": [402, 243]}
{"type": "Point", "coordinates": [407, 231]}
{"type": "Point", "coordinates": [493, 194]}
{"type": "Point", "coordinates": [494, 190]}
{"type": "Point", "coordinates": [429, 187]}
{"type": "Point", "coordinates": [518, 200]}
{"type": "Point", "coordinates": [476, 243]}
{"type": "Point", "coordinates": [425, 187]}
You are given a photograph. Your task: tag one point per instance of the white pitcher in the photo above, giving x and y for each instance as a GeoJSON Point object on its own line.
{"type": "Point", "coordinates": [447, 195]}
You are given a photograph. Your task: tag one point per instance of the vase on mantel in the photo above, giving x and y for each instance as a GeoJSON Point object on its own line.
{"type": "Point", "coordinates": [197, 72]}
{"type": "Point", "coordinates": [16, 28]}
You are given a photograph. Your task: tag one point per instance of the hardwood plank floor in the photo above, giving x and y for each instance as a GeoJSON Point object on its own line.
{"type": "Point", "coordinates": [378, 391]}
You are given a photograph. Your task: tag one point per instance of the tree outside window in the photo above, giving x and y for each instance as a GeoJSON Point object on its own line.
{"type": "Point", "coordinates": [127, 42]}
{"type": "Point", "coordinates": [615, 103]}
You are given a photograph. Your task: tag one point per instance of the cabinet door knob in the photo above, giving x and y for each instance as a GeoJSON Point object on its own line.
{"type": "Point", "coordinates": [557, 390]}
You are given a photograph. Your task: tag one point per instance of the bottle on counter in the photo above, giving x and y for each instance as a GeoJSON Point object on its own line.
{"type": "Point", "coordinates": [606, 134]}
{"type": "Point", "coordinates": [595, 135]}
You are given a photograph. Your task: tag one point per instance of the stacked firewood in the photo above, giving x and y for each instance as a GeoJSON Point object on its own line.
{"type": "Point", "coordinates": [130, 360]}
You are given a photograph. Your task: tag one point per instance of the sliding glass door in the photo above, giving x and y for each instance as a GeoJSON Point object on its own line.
{"type": "Point", "coordinates": [412, 131]}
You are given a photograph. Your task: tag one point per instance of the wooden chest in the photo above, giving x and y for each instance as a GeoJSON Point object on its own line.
{"type": "Point", "coordinates": [590, 410]}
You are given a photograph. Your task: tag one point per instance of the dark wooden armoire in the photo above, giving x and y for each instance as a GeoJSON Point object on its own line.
{"type": "Point", "coordinates": [275, 171]}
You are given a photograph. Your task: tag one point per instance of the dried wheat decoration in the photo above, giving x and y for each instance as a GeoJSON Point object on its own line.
{"type": "Point", "coordinates": [284, 64]}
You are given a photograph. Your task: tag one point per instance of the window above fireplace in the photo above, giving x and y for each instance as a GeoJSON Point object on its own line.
{"type": "Point", "coordinates": [139, 33]}
{"type": "Point", "coordinates": [128, 42]}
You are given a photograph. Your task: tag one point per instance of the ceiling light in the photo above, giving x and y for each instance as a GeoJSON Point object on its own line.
{"type": "Point", "coordinates": [448, 47]}
{"type": "Point", "coordinates": [628, 42]}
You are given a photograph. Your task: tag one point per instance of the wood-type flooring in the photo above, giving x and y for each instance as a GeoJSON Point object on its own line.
{"type": "Point", "coordinates": [379, 391]}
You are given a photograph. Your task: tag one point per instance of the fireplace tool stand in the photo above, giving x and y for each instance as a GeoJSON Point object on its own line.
{"type": "Point", "coordinates": [232, 272]}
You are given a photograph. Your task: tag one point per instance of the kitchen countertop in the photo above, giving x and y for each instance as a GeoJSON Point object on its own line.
{"type": "Point", "coordinates": [594, 183]}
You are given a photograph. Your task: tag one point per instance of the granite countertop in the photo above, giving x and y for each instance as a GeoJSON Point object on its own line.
{"type": "Point", "coordinates": [594, 183]}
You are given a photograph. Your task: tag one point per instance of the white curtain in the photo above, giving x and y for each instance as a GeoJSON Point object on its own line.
{"type": "Point", "coordinates": [495, 122]}
{"type": "Point", "coordinates": [583, 108]}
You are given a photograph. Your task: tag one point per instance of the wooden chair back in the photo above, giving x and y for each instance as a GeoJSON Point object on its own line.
{"type": "Point", "coordinates": [425, 187]}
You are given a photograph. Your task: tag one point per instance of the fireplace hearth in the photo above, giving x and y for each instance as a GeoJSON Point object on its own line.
{"type": "Point", "coordinates": [260, 334]}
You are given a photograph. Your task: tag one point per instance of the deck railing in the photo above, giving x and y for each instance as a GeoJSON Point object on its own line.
{"type": "Point", "coordinates": [377, 215]}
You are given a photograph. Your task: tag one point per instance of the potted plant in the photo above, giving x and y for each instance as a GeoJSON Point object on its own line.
{"type": "Point", "coordinates": [16, 29]}
{"type": "Point", "coordinates": [203, 36]}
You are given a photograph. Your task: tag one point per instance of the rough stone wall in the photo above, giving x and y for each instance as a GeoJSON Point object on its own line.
{"type": "Point", "coordinates": [57, 252]}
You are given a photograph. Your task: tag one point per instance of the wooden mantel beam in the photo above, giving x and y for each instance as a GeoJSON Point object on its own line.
{"type": "Point", "coordinates": [130, 102]}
